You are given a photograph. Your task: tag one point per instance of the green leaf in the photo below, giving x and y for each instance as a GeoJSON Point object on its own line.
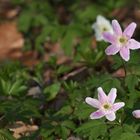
{"type": "Point", "coordinates": [129, 136]}
{"type": "Point", "coordinates": [51, 91]}
{"type": "Point", "coordinates": [83, 111]}
{"type": "Point", "coordinates": [65, 110]}
{"type": "Point", "coordinates": [64, 132]}
{"type": "Point", "coordinates": [5, 135]}
{"type": "Point", "coordinates": [131, 81]}
{"type": "Point", "coordinates": [62, 69]}
{"type": "Point", "coordinates": [46, 132]}
{"type": "Point", "coordinates": [68, 124]}
{"type": "Point", "coordinates": [92, 129]}
{"type": "Point", "coordinates": [88, 13]}
{"type": "Point", "coordinates": [115, 132]}
{"type": "Point", "coordinates": [25, 20]}
{"type": "Point", "coordinates": [68, 42]}
{"type": "Point", "coordinates": [12, 88]}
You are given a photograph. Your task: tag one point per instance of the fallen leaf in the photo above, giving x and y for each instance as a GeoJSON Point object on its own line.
{"type": "Point", "coordinates": [11, 41]}
{"type": "Point", "coordinates": [20, 129]}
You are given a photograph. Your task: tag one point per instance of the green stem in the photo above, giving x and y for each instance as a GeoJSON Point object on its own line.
{"type": "Point", "coordinates": [113, 123]}
{"type": "Point", "coordinates": [124, 66]}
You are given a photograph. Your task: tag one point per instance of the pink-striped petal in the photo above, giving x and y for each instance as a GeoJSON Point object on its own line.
{"type": "Point", "coordinates": [133, 44]}
{"type": "Point", "coordinates": [109, 37]}
{"type": "Point", "coordinates": [129, 30]}
{"type": "Point", "coordinates": [116, 27]}
{"type": "Point", "coordinates": [112, 50]}
{"type": "Point", "coordinates": [97, 115]}
{"type": "Point", "coordinates": [112, 95]}
{"type": "Point", "coordinates": [136, 114]}
{"type": "Point", "coordinates": [111, 116]}
{"type": "Point", "coordinates": [125, 53]}
{"type": "Point", "coordinates": [93, 102]}
{"type": "Point", "coordinates": [101, 95]}
{"type": "Point", "coordinates": [117, 106]}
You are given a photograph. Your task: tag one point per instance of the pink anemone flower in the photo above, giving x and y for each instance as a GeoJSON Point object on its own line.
{"type": "Point", "coordinates": [105, 104]}
{"type": "Point", "coordinates": [121, 41]}
{"type": "Point", "coordinates": [136, 114]}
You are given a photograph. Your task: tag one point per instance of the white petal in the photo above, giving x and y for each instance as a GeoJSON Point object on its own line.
{"type": "Point", "coordinates": [125, 53]}
{"type": "Point", "coordinates": [133, 44]}
{"type": "Point", "coordinates": [116, 27]}
{"type": "Point", "coordinates": [101, 20]}
{"type": "Point", "coordinates": [136, 114]}
{"type": "Point", "coordinates": [94, 26]}
{"type": "Point", "coordinates": [112, 50]}
{"type": "Point", "coordinates": [111, 116]}
{"type": "Point", "coordinates": [107, 36]}
{"type": "Point", "coordinates": [101, 95]}
{"type": "Point", "coordinates": [98, 33]}
{"type": "Point", "coordinates": [97, 115]}
{"type": "Point", "coordinates": [112, 95]}
{"type": "Point", "coordinates": [118, 105]}
{"type": "Point", "coordinates": [99, 25]}
{"type": "Point", "coordinates": [93, 102]}
{"type": "Point", "coordinates": [129, 30]}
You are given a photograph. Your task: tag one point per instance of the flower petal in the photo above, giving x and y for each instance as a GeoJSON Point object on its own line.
{"type": "Point", "coordinates": [111, 116]}
{"type": "Point", "coordinates": [101, 95]}
{"type": "Point", "coordinates": [118, 105]}
{"type": "Point", "coordinates": [116, 27]}
{"type": "Point", "coordinates": [133, 44]}
{"type": "Point", "coordinates": [112, 50]}
{"type": "Point", "coordinates": [96, 115]}
{"type": "Point", "coordinates": [98, 33]}
{"type": "Point", "coordinates": [112, 95]}
{"type": "Point", "coordinates": [93, 102]}
{"type": "Point", "coordinates": [109, 37]}
{"type": "Point", "coordinates": [136, 113]}
{"type": "Point", "coordinates": [125, 53]}
{"type": "Point", "coordinates": [129, 30]}
{"type": "Point", "coordinates": [100, 19]}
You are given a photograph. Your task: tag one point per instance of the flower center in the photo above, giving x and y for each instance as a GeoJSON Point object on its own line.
{"type": "Point", "coordinates": [106, 106]}
{"type": "Point", "coordinates": [104, 29]}
{"type": "Point", "coordinates": [123, 40]}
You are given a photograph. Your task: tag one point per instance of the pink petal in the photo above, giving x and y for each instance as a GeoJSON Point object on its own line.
{"type": "Point", "coordinates": [117, 106]}
{"type": "Point", "coordinates": [136, 113]}
{"type": "Point", "coordinates": [112, 50]}
{"type": "Point", "coordinates": [109, 37]}
{"type": "Point", "coordinates": [116, 27]}
{"type": "Point", "coordinates": [101, 95]}
{"type": "Point", "coordinates": [112, 95]}
{"type": "Point", "coordinates": [96, 115]}
{"type": "Point", "coordinates": [133, 44]}
{"type": "Point", "coordinates": [125, 53]}
{"type": "Point", "coordinates": [111, 116]}
{"type": "Point", "coordinates": [129, 30]}
{"type": "Point", "coordinates": [93, 102]}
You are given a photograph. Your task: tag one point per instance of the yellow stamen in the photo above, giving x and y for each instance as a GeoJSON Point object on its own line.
{"type": "Point", "coordinates": [123, 40]}
{"type": "Point", "coordinates": [104, 29]}
{"type": "Point", "coordinates": [106, 106]}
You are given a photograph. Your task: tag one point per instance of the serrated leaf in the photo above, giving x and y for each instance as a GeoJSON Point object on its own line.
{"type": "Point", "coordinates": [65, 110]}
{"type": "Point", "coordinates": [69, 124]}
{"type": "Point", "coordinates": [5, 135]}
{"type": "Point", "coordinates": [52, 90]}
{"type": "Point", "coordinates": [129, 136]}
{"type": "Point", "coordinates": [115, 132]}
{"type": "Point", "coordinates": [83, 111]}
{"type": "Point", "coordinates": [24, 21]}
{"type": "Point", "coordinates": [131, 81]}
{"type": "Point", "coordinates": [92, 129]}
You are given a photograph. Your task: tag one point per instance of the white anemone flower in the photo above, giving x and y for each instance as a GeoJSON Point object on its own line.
{"type": "Point", "coordinates": [100, 26]}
